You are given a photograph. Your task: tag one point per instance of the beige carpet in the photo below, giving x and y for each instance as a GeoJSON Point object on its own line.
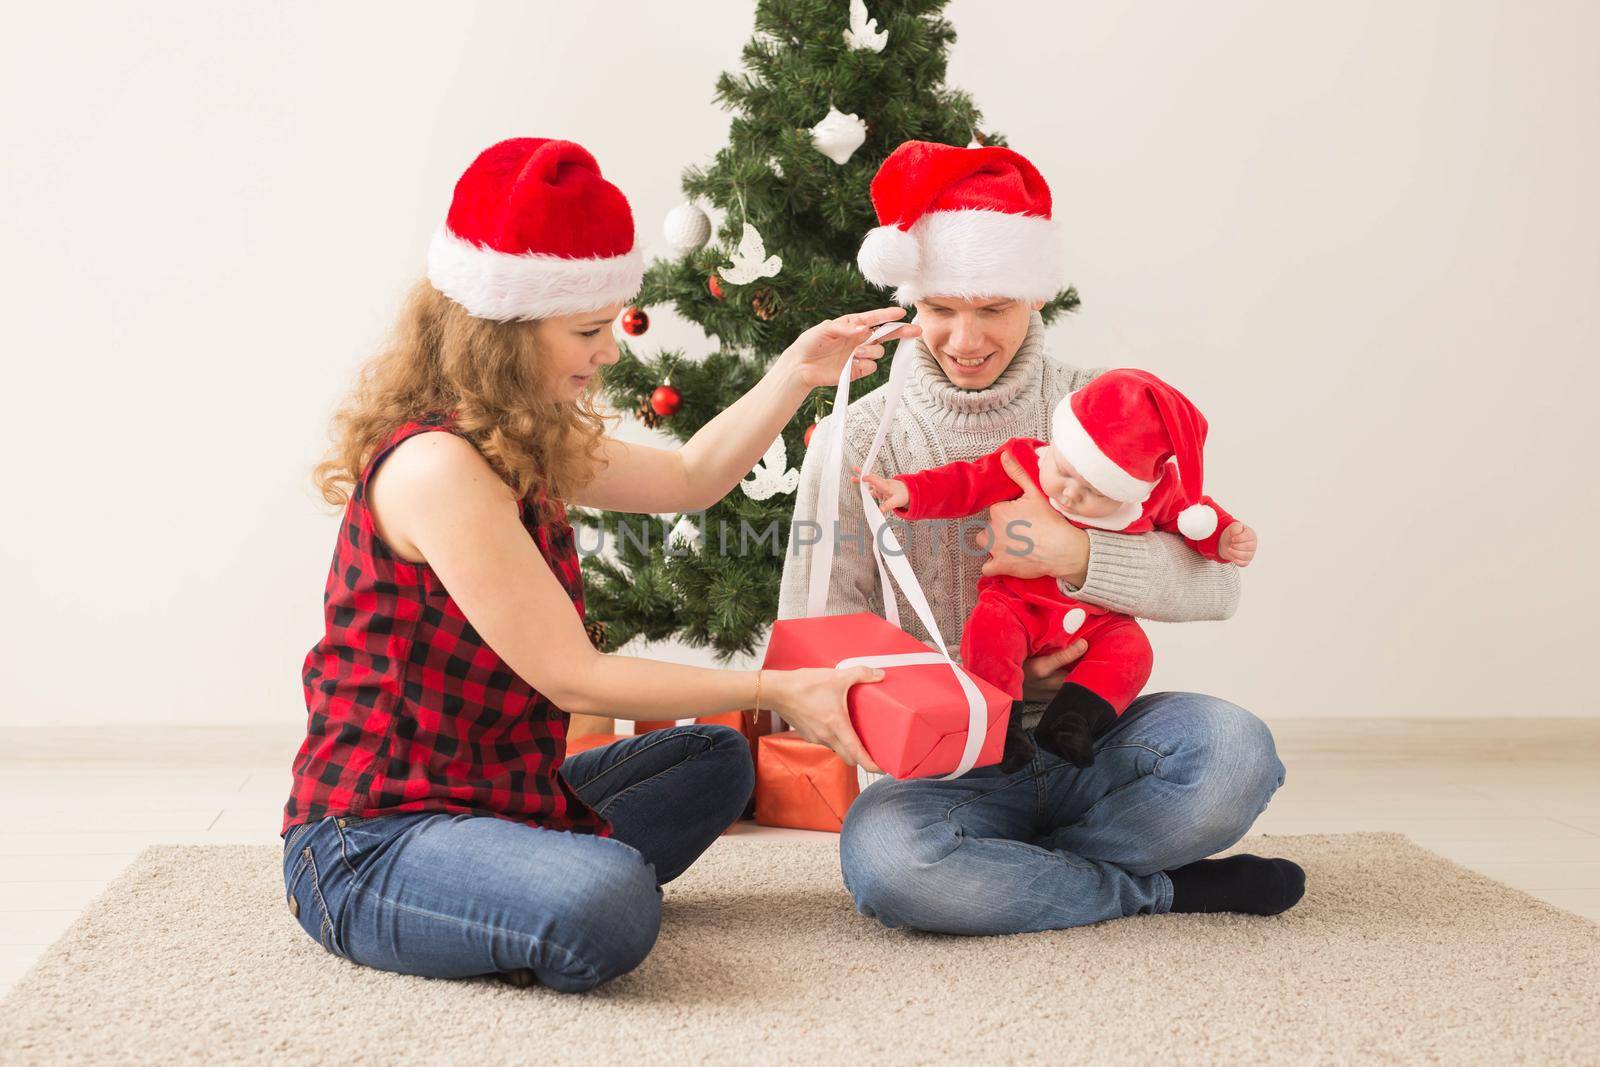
{"type": "Point", "coordinates": [1395, 955]}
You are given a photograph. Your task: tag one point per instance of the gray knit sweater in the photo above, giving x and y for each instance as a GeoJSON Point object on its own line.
{"type": "Point", "coordinates": [1152, 576]}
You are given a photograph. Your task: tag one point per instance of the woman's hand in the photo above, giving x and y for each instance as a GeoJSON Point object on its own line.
{"type": "Point", "coordinates": [1237, 545]}
{"type": "Point", "coordinates": [890, 493]}
{"type": "Point", "coordinates": [818, 355]}
{"type": "Point", "coordinates": [812, 700]}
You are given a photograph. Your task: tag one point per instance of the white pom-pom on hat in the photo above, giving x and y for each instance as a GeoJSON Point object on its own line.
{"type": "Point", "coordinates": [888, 256]}
{"type": "Point", "coordinates": [1197, 522]}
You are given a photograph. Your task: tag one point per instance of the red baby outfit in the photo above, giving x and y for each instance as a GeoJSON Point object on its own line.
{"type": "Point", "coordinates": [409, 709]}
{"type": "Point", "coordinates": [1018, 618]}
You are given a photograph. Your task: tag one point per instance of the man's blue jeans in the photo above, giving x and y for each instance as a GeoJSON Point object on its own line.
{"type": "Point", "coordinates": [1177, 778]}
{"type": "Point", "coordinates": [450, 896]}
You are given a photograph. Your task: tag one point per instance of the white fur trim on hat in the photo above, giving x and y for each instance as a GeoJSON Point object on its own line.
{"type": "Point", "coordinates": [1197, 522]}
{"type": "Point", "coordinates": [888, 256]}
{"type": "Point", "coordinates": [503, 287]}
{"type": "Point", "coordinates": [969, 254]}
{"type": "Point", "coordinates": [1098, 469]}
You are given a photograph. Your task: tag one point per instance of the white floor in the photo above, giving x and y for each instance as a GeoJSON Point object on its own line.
{"type": "Point", "coordinates": [1519, 802]}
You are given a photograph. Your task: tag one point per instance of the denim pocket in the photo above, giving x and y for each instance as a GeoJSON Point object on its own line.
{"type": "Point", "coordinates": [303, 882]}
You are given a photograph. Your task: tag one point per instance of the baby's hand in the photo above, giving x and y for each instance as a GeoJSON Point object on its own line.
{"type": "Point", "coordinates": [890, 493]}
{"type": "Point", "coordinates": [1237, 545]}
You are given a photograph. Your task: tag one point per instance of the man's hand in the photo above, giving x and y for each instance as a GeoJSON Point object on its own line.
{"type": "Point", "coordinates": [1237, 545]}
{"type": "Point", "coordinates": [1059, 549]}
{"type": "Point", "coordinates": [1042, 675]}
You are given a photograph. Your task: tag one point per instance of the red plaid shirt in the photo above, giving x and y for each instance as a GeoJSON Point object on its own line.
{"type": "Point", "coordinates": [409, 709]}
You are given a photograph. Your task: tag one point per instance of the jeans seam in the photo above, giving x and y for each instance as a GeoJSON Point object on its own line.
{"type": "Point", "coordinates": [322, 902]}
{"type": "Point", "coordinates": [1011, 783]}
{"type": "Point", "coordinates": [611, 800]}
{"type": "Point", "coordinates": [296, 832]}
{"type": "Point", "coordinates": [344, 850]}
{"type": "Point", "coordinates": [1154, 770]}
{"type": "Point", "coordinates": [590, 973]}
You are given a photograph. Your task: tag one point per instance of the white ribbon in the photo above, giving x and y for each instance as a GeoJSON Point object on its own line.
{"type": "Point", "coordinates": [886, 551]}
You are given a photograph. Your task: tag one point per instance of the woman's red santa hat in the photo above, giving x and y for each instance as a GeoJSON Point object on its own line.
{"type": "Point", "coordinates": [1120, 430]}
{"type": "Point", "coordinates": [535, 231]}
{"type": "Point", "coordinates": [961, 222]}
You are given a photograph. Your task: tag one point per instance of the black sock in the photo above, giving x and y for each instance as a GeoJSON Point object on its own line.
{"type": "Point", "coordinates": [1246, 884]}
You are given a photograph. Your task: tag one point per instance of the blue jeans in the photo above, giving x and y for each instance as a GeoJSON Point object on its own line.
{"type": "Point", "coordinates": [1177, 778]}
{"type": "Point", "coordinates": [449, 896]}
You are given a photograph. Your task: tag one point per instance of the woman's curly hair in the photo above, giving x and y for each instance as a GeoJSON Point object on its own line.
{"type": "Point", "coordinates": [490, 377]}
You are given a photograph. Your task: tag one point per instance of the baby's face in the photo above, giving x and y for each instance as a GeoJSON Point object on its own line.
{"type": "Point", "coordinates": [1062, 483]}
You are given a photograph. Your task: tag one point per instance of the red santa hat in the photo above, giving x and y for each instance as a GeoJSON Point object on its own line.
{"type": "Point", "coordinates": [961, 222]}
{"type": "Point", "coordinates": [535, 231]}
{"type": "Point", "coordinates": [1120, 430]}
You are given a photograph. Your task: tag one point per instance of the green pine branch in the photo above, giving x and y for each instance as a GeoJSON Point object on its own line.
{"type": "Point", "coordinates": [811, 211]}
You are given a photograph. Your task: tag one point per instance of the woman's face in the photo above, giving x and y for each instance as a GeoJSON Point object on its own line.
{"type": "Point", "coordinates": [974, 340]}
{"type": "Point", "coordinates": [575, 347]}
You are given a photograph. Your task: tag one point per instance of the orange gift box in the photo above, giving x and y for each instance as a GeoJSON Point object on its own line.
{"type": "Point", "coordinates": [802, 785]}
{"type": "Point", "coordinates": [914, 722]}
{"type": "Point", "coordinates": [749, 723]}
{"type": "Point", "coordinates": [644, 726]}
{"type": "Point", "coordinates": [585, 742]}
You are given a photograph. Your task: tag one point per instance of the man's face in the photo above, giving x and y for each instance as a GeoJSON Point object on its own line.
{"type": "Point", "coordinates": [974, 340]}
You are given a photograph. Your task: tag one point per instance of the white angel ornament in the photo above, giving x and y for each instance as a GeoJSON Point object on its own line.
{"type": "Point", "coordinates": [751, 260]}
{"type": "Point", "coordinates": [772, 475]}
{"type": "Point", "coordinates": [863, 32]}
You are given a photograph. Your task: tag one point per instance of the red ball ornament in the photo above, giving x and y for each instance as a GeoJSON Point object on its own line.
{"type": "Point", "coordinates": [665, 400]}
{"type": "Point", "coordinates": [715, 285]}
{"type": "Point", "coordinates": [635, 322]}
{"type": "Point", "coordinates": [809, 431]}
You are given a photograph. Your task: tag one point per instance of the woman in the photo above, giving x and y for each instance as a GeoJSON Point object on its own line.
{"type": "Point", "coordinates": [434, 826]}
{"type": "Point", "coordinates": [967, 238]}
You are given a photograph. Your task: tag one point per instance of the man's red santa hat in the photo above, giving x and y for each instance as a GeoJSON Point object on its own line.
{"type": "Point", "coordinates": [1120, 430]}
{"type": "Point", "coordinates": [535, 231]}
{"type": "Point", "coordinates": [961, 222]}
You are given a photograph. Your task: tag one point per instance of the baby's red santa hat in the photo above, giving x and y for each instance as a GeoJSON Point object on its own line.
{"type": "Point", "coordinates": [961, 222]}
{"type": "Point", "coordinates": [535, 231]}
{"type": "Point", "coordinates": [1120, 430]}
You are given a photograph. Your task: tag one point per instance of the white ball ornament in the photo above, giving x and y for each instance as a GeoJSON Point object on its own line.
{"type": "Point", "coordinates": [686, 227]}
{"type": "Point", "coordinates": [838, 135]}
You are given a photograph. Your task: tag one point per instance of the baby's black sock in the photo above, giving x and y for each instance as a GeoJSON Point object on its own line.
{"type": "Point", "coordinates": [1246, 884]}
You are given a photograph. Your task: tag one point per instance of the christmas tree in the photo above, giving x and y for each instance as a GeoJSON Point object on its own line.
{"type": "Point", "coordinates": [827, 92]}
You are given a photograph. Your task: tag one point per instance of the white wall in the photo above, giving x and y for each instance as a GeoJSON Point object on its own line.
{"type": "Point", "coordinates": [1362, 235]}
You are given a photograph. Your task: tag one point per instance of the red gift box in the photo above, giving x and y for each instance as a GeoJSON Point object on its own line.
{"type": "Point", "coordinates": [914, 722]}
{"type": "Point", "coordinates": [802, 785]}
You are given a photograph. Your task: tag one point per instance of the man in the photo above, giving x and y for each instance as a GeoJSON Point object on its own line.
{"type": "Point", "coordinates": [967, 239]}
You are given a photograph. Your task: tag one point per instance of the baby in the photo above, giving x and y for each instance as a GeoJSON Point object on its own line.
{"type": "Point", "coordinates": [1125, 455]}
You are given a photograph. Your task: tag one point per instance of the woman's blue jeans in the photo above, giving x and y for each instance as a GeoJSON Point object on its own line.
{"type": "Point", "coordinates": [1177, 778]}
{"type": "Point", "coordinates": [450, 896]}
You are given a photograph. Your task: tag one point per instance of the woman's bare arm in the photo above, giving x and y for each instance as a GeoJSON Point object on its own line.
{"type": "Point", "coordinates": [440, 500]}
{"type": "Point", "coordinates": [642, 479]}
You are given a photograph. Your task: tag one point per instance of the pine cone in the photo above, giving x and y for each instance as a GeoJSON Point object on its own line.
{"type": "Point", "coordinates": [647, 414]}
{"type": "Point", "coordinates": [597, 633]}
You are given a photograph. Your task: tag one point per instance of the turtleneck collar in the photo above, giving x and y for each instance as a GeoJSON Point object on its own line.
{"type": "Point", "coordinates": [1013, 393]}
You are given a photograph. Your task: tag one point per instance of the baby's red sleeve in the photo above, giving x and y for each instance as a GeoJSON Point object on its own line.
{"type": "Point", "coordinates": [1206, 546]}
{"type": "Point", "coordinates": [964, 488]}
